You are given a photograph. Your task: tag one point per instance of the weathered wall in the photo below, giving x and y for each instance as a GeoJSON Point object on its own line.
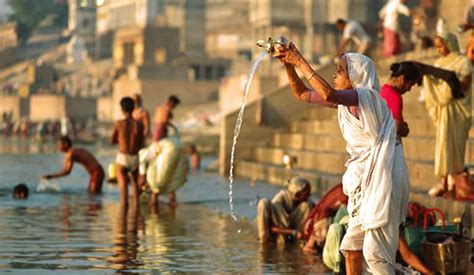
{"type": "Point", "coordinates": [47, 107]}
{"type": "Point", "coordinates": [105, 110]}
{"type": "Point", "coordinates": [54, 107]}
{"type": "Point", "coordinates": [232, 88]}
{"type": "Point", "coordinates": [155, 92]}
{"type": "Point", "coordinates": [10, 104]}
{"type": "Point", "coordinates": [454, 11]}
{"type": "Point", "coordinates": [81, 108]}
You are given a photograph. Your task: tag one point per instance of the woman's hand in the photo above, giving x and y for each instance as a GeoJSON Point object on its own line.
{"type": "Point", "coordinates": [291, 55]}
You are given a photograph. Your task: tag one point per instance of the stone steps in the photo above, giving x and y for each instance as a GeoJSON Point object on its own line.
{"type": "Point", "coordinates": [418, 127]}
{"type": "Point", "coordinates": [416, 147]}
{"type": "Point", "coordinates": [310, 142]}
{"type": "Point", "coordinates": [274, 174]}
{"type": "Point", "coordinates": [328, 162]}
{"type": "Point", "coordinates": [421, 174]}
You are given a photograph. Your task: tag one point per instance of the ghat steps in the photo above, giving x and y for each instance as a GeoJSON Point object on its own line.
{"type": "Point", "coordinates": [315, 140]}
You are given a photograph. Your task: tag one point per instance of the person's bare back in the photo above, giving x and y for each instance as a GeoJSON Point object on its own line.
{"type": "Point", "coordinates": [128, 133]}
{"type": "Point", "coordinates": [83, 157]}
{"type": "Point", "coordinates": [143, 116]}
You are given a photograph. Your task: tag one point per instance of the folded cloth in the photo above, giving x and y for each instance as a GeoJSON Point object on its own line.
{"type": "Point", "coordinates": [127, 161]}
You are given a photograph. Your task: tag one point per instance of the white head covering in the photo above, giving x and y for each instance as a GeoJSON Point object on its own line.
{"type": "Point", "coordinates": [371, 139]}
{"type": "Point", "coordinates": [362, 72]}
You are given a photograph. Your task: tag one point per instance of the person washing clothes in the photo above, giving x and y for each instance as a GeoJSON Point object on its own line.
{"type": "Point", "coordinates": [282, 218]}
{"type": "Point", "coordinates": [164, 167]}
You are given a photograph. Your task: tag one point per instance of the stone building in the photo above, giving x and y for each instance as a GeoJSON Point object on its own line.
{"type": "Point", "coordinates": [228, 29]}
{"type": "Point", "coordinates": [309, 23]}
{"type": "Point", "coordinates": [8, 43]}
{"type": "Point", "coordinates": [82, 23]}
{"type": "Point", "coordinates": [149, 62]}
{"type": "Point", "coordinates": [189, 17]}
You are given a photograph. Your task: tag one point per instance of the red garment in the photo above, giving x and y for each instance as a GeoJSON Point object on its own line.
{"type": "Point", "coordinates": [96, 179]}
{"type": "Point", "coordinates": [391, 42]}
{"type": "Point", "coordinates": [327, 206]}
{"type": "Point", "coordinates": [394, 101]}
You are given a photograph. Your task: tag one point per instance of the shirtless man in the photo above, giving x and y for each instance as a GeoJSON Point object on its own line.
{"type": "Point", "coordinates": [83, 157]}
{"type": "Point", "coordinates": [128, 133]}
{"type": "Point", "coordinates": [163, 116]}
{"type": "Point", "coordinates": [140, 114]}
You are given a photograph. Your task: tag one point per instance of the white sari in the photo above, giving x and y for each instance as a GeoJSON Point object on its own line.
{"type": "Point", "coordinates": [376, 168]}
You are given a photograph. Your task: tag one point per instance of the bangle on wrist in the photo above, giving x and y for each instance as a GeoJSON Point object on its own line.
{"type": "Point", "coordinates": [311, 75]}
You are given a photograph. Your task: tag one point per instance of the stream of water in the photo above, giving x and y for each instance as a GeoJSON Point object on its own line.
{"type": "Point", "coordinates": [238, 126]}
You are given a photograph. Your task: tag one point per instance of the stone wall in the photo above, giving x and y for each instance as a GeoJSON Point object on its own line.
{"type": "Point", "coordinates": [10, 104]}
{"type": "Point", "coordinates": [105, 111]}
{"type": "Point", "coordinates": [47, 107]}
{"type": "Point", "coordinates": [155, 91]}
{"type": "Point", "coordinates": [81, 108]}
{"type": "Point", "coordinates": [232, 88]}
{"type": "Point", "coordinates": [54, 107]}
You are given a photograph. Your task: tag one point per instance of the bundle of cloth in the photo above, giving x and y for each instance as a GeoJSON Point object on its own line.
{"type": "Point", "coordinates": [165, 164]}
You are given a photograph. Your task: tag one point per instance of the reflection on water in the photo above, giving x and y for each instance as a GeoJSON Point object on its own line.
{"type": "Point", "coordinates": [71, 230]}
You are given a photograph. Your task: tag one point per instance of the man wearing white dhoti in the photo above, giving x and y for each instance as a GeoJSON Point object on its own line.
{"type": "Point", "coordinates": [376, 178]}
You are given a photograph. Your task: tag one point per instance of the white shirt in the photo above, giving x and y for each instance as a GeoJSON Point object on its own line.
{"type": "Point", "coordinates": [354, 31]}
{"type": "Point", "coordinates": [389, 14]}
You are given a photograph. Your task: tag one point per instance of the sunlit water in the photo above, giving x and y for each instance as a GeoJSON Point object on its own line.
{"type": "Point", "coordinates": [73, 232]}
{"type": "Point", "coordinates": [238, 126]}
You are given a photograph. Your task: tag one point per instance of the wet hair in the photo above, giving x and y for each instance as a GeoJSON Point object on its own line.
{"type": "Point", "coordinates": [407, 69]}
{"type": "Point", "coordinates": [174, 99]}
{"type": "Point", "coordinates": [65, 140]}
{"type": "Point", "coordinates": [127, 104]}
{"type": "Point", "coordinates": [341, 21]}
{"type": "Point", "coordinates": [20, 191]}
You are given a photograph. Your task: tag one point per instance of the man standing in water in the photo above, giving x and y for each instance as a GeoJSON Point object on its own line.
{"type": "Point", "coordinates": [83, 157]}
{"type": "Point", "coordinates": [140, 114]}
{"type": "Point", "coordinates": [163, 116]}
{"type": "Point", "coordinates": [128, 133]}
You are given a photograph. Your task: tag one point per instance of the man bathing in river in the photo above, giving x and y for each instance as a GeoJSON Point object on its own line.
{"type": "Point", "coordinates": [128, 133]}
{"type": "Point", "coordinates": [162, 118]}
{"type": "Point", "coordinates": [83, 157]}
{"type": "Point", "coordinates": [140, 114]}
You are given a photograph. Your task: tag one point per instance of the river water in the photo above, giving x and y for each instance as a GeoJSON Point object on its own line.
{"type": "Point", "coordinates": [73, 232]}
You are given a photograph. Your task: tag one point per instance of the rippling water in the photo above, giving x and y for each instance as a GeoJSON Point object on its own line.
{"type": "Point", "coordinates": [75, 232]}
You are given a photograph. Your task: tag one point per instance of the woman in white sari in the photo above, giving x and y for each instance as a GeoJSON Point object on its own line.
{"type": "Point", "coordinates": [376, 178]}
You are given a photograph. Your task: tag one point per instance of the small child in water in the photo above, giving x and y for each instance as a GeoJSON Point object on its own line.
{"type": "Point", "coordinates": [195, 157]}
{"type": "Point", "coordinates": [20, 192]}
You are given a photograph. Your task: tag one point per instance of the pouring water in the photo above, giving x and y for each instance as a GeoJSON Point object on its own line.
{"type": "Point", "coordinates": [270, 46]}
